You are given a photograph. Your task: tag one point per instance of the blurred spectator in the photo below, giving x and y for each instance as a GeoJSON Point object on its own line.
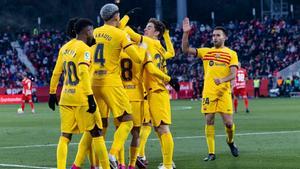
{"type": "Point", "coordinates": [256, 84]}
{"type": "Point", "coordinates": [264, 48]}
{"type": "Point", "coordinates": [295, 84]}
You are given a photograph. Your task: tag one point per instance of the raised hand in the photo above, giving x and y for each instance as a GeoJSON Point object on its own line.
{"type": "Point", "coordinates": [186, 25]}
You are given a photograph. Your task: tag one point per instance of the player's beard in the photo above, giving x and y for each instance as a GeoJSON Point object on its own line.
{"type": "Point", "coordinates": [218, 44]}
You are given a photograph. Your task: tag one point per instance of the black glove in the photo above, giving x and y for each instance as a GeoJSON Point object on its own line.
{"type": "Point", "coordinates": [133, 12]}
{"type": "Point", "coordinates": [52, 101]}
{"type": "Point", "coordinates": [92, 104]}
{"type": "Point", "coordinates": [167, 25]}
{"type": "Point", "coordinates": [175, 84]}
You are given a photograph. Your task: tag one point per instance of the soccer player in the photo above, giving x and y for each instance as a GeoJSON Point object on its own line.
{"type": "Point", "coordinates": [220, 65]}
{"type": "Point", "coordinates": [78, 110]}
{"type": "Point", "coordinates": [132, 77]}
{"type": "Point", "coordinates": [158, 95]}
{"type": "Point", "coordinates": [147, 125]}
{"type": "Point", "coordinates": [239, 88]}
{"type": "Point", "coordinates": [106, 82]}
{"type": "Point", "coordinates": [27, 93]}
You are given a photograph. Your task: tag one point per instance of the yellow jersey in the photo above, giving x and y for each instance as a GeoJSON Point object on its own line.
{"type": "Point", "coordinates": [216, 64]}
{"type": "Point", "coordinates": [106, 52]}
{"type": "Point", "coordinates": [157, 53]}
{"type": "Point", "coordinates": [76, 85]}
{"type": "Point", "coordinates": [132, 77]}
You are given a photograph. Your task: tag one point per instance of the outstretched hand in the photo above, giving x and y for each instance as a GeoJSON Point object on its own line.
{"type": "Point", "coordinates": [186, 25]}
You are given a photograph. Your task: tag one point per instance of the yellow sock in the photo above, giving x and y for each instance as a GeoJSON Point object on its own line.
{"type": "Point", "coordinates": [104, 130]}
{"type": "Point", "coordinates": [160, 141]}
{"type": "Point", "coordinates": [101, 151]}
{"type": "Point", "coordinates": [230, 133]}
{"type": "Point", "coordinates": [144, 134]}
{"type": "Point", "coordinates": [121, 156]}
{"type": "Point", "coordinates": [84, 147]}
{"type": "Point", "coordinates": [62, 152]}
{"type": "Point", "coordinates": [210, 138]}
{"type": "Point", "coordinates": [120, 137]}
{"type": "Point", "coordinates": [133, 155]}
{"type": "Point", "coordinates": [94, 160]}
{"type": "Point", "coordinates": [168, 147]}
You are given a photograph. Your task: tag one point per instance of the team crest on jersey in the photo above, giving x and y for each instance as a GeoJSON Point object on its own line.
{"type": "Point", "coordinates": [211, 63]}
{"type": "Point", "coordinates": [87, 56]}
{"type": "Point", "coordinates": [218, 55]}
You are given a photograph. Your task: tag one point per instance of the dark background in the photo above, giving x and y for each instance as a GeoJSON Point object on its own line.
{"type": "Point", "coordinates": [22, 14]}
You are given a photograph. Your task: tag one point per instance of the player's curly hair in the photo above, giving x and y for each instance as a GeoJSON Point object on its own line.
{"type": "Point", "coordinates": [81, 24]}
{"type": "Point", "coordinates": [158, 26]}
{"type": "Point", "coordinates": [70, 29]}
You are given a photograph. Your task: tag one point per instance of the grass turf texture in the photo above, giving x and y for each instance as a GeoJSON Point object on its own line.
{"type": "Point", "coordinates": [260, 144]}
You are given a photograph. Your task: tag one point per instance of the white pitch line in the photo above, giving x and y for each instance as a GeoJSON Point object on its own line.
{"type": "Point", "coordinates": [154, 139]}
{"type": "Point", "coordinates": [24, 166]}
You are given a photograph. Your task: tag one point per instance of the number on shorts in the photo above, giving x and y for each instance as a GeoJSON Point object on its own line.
{"type": "Point", "coordinates": [205, 101]}
{"type": "Point", "coordinates": [126, 69]}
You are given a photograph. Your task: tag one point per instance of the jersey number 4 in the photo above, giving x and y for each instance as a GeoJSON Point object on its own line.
{"type": "Point", "coordinates": [99, 58]}
{"type": "Point", "coordinates": [126, 69]}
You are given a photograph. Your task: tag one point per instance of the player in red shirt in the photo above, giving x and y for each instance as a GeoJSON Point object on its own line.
{"type": "Point", "coordinates": [239, 88]}
{"type": "Point", "coordinates": [27, 93]}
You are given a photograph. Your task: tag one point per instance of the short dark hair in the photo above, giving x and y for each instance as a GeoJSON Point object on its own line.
{"type": "Point", "coordinates": [81, 24]}
{"type": "Point", "coordinates": [70, 29]}
{"type": "Point", "coordinates": [221, 28]}
{"type": "Point", "coordinates": [158, 26]}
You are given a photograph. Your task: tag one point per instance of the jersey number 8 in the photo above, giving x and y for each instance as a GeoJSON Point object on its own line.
{"type": "Point", "coordinates": [126, 69]}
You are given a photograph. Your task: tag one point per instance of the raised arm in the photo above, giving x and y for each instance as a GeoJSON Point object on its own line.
{"type": "Point", "coordinates": [185, 38]}
{"type": "Point", "coordinates": [123, 22]}
{"type": "Point", "coordinates": [170, 49]}
{"type": "Point", "coordinates": [133, 35]}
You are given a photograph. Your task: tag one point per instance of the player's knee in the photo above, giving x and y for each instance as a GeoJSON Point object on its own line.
{"type": "Point", "coordinates": [67, 135]}
{"type": "Point", "coordinates": [125, 117]}
{"type": "Point", "coordinates": [162, 129]}
{"type": "Point", "coordinates": [135, 132]}
{"type": "Point", "coordinates": [95, 132]}
{"type": "Point", "coordinates": [105, 122]}
{"type": "Point", "coordinates": [228, 125]}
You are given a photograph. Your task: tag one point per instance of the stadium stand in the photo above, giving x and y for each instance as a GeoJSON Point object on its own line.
{"type": "Point", "coordinates": [264, 48]}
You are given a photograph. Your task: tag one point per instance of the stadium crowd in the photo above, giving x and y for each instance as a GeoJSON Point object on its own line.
{"type": "Point", "coordinates": [263, 48]}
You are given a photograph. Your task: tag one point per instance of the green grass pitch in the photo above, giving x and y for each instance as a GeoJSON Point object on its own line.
{"type": "Point", "coordinates": [268, 137]}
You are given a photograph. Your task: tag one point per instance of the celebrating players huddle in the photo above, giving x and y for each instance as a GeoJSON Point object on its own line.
{"type": "Point", "coordinates": [113, 69]}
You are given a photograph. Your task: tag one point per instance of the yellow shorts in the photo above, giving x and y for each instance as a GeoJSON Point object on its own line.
{"type": "Point", "coordinates": [76, 119]}
{"type": "Point", "coordinates": [103, 108]}
{"type": "Point", "coordinates": [221, 104]}
{"type": "Point", "coordinates": [115, 98]}
{"type": "Point", "coordinates": [160, 109]}
{"type": "Point", "coordinates": [137, 112]}
{"type": "Point", "coordinates": [146, 116]}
